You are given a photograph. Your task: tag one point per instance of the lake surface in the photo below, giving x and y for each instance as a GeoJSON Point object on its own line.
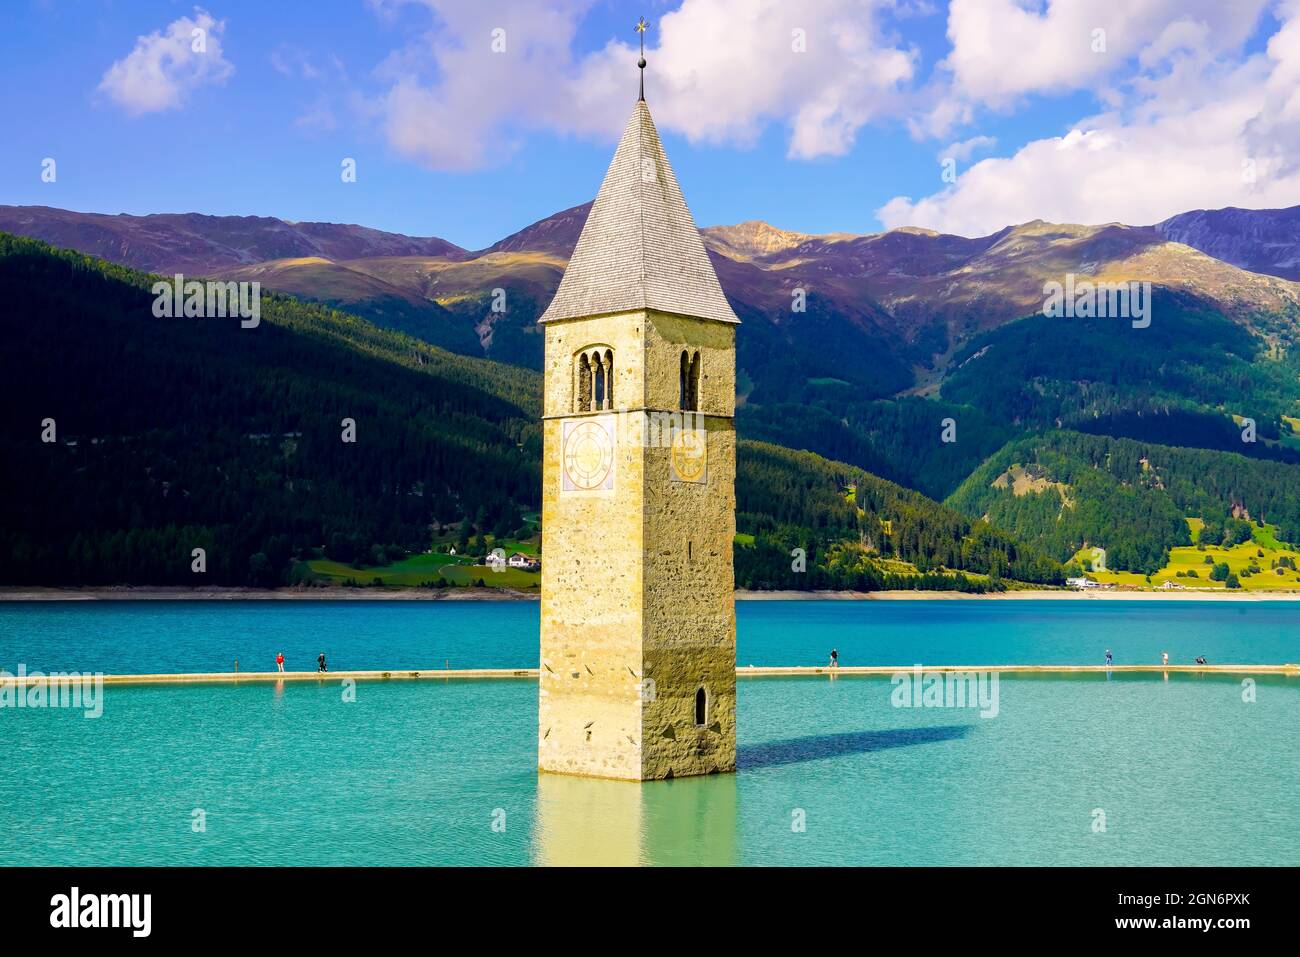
{"type": "Point", "coordinates": [1184, 771]}
{"type": "Point", "coordinates": [134, 637]}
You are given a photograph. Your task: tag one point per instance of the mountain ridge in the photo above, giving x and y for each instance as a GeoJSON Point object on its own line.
{"type": "Point", "coordinates": [1272, 229]}
{"type": "Point", "coordinates": [204, 244]}
{"type": "Point", "coordinates": [919, 288]}
{"type": "Point", "coordinates": [837, 322]}
{"type": "Point", "coordinates": [1261, 240]}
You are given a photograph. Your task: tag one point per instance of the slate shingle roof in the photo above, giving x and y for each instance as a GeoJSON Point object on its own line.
{"type": "Point", "coordinates": [640, 248]}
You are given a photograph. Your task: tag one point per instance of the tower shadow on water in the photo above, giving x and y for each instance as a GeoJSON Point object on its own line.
{"type": "Point", "coordinates": [817, 747]}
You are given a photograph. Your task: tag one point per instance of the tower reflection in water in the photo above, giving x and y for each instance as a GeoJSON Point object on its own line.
{"type": "Point", "coordinates": [591, 822]}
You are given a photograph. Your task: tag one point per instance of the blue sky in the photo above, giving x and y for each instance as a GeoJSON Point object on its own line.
{"type": "Point", "coordinates": [456, 139]}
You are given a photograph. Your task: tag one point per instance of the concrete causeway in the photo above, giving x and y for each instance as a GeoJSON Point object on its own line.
{"type": "Point", "coordinates": [749, 671]}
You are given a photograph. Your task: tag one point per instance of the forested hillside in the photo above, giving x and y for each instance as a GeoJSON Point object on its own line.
{"type": "Point", "coordinates": [1064, 490]}
{"type": "Point", "coordinates": [851, 524]}
{"type": "Point", "coordinates": [175, 434]}
{"type": "Point", "coordinates": [1191, 378]}
{"type": "Point", "coordinates": [853, 347]}
{"type": "Point", "coordinates": [900, 439]}
{"type": "Point", "coordinates": [172, 434]}
{"type": "Point", "coordinates": [1178, 381]}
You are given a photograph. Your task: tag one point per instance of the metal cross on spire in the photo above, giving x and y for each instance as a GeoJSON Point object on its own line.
{"type": "Point", "coordinates": [641, 28]}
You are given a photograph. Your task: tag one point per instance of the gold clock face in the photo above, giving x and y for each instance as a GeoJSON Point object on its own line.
{"type": "Point", "coordinates": [588, 455]}
{"type": "Point", "coordinates": [690, 455]}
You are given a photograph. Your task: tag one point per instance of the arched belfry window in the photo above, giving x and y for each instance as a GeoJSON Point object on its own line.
{"type": "Point", "coordinates": [593, 374]}
{"type": "Point", "coordinates": [583, 384]}
{"type": "Point", "coordinates": [609, 378]}
{"type": "Point", "coordinates": [689, 389]}
{"type": "Point", "coordinates": [599, 391]}
{"type": "Point", "coordinates": [701, 706]}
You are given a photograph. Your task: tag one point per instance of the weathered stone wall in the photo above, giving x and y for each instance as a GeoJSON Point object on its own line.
{"type": "Point", "coordinates": [665, 338]}
{"type": "Point", "coordinates": [623, 333]}
{"type": "Point", "coordinates": [689, 606]}
{"type": "Point", "coordinates": [589, 706]}
{"type": "Point", "coordinates": [689, 622]}
{"type": "Point", "coordinates": [637, 582]}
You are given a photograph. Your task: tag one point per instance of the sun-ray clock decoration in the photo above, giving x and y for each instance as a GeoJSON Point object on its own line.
{"type": "Point", "coordinates": [587, 454]}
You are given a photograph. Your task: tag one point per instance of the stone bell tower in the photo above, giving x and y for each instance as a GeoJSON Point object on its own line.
{"type": "Point", "coordinates": [638, 624]}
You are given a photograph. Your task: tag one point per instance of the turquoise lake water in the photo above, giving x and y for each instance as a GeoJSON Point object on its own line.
{"type": "Point", "coordinates": [1184, 770]}
{"type": "Point", "coordinates": [161, 636]}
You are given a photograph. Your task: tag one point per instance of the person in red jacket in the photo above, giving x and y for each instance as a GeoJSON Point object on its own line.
{"type": "Point", "coordinates": [279, 660]}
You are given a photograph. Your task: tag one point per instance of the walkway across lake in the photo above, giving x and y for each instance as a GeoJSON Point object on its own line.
{"type": "Point", "coordinates": [224, 677]}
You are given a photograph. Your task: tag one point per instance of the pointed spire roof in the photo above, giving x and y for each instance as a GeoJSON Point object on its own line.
{"type": "Point", "coordinates": [640, 248]}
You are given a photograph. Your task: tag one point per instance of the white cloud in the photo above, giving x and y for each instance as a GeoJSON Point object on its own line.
{"type": "Point", "coordinates": [1275, 132]}
{"type": "Point", "coordinates": [1181, 107]}
{"type": "Point", "coordinates": [453, 100]}
{"type": "Point", "coordinates": [1184, 147]}
{"type": "Point", "coordinates": [167, 64]}
{"type": "Point", "coordinates": [723, 69]}
{"type": "Point", "coordinates": [1192, 127]}
{"type": "Point", "coordinates": [965, 149]}
{"type": "Point", "coordinates": [720, 71]}
{"type": "Point", "coordinates": [1003, 49]}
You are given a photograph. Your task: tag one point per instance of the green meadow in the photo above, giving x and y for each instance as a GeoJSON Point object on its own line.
{"type": "Point", "coordinates": [1262, 553]}
{"type": "Point", "coordinates": [440, 567]}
